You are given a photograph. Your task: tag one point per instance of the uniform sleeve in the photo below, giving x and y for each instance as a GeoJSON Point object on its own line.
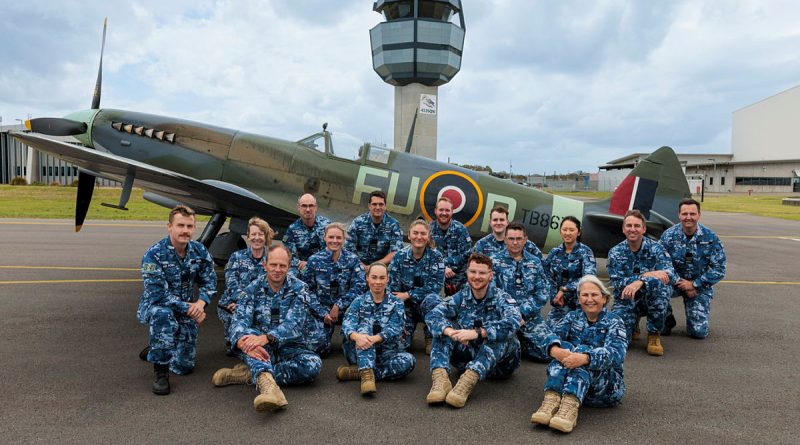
{"type": "Point", "coordinates": [612, 353]}
{"type": "Point", "coordinates": [242, 320]}
{"type": "Point", "coordinates": [457, 259]}
{"type": "Point", "coordinates": [442, 315]}
{"type": "Point", "coordinates": [290, 242]}
{"type": "Point", "coordinates": [543, 288]}
{"type": "Point", "coordinates": [533, 249]}
{"type": "Point", "coordinates": [208, 279]}
{"type": "Point", "coordinates": [396, 237]}
{"type": "Point", "coordinates": [665, 262]}
{"type": "Point", "coordinates": [715, 270]}
{"type": "Point", "coordinates": [156, 288]}
{"type": "Point", "coordinates": [617, 273]}
{"type": "Point", "coordinates": [350, 321]}
{"type": "Point", "coordinates": [351, 241]}
{"type": "Point", "coordinates": [552, 335]}
{"type": "Point", "coordinates": [588, 267]}
{"type": "Point", "coordinates": [509, 322]}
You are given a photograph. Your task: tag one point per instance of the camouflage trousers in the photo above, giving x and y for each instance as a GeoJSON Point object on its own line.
{"type": "Point", "coordinates": [225, 317]}
{"type": "Point", "coordinates": [488, 359]}
{"type": "Point", "coordinates": [289, 366]}
{"type": "Point", "coordinates": [531, 337]}
{"type": "Point", "coordinates": [599, 389]}
{"type": "Point", "coordinates": [388, 364]}
{"type": "Point", "coordinates": [558, 312]}
{"type": "Point", "coordinates": [697, 310]}
{"type": "Point", "coordinates": [415, 313]}
{"type": "Point", "coordinates": [653, 303]}
{"type": "Point", "coordinates": [320, 339]}
{"type": "Point", "coordinates": [173, 339]}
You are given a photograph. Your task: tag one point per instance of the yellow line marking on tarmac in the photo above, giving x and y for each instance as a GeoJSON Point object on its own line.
{"type": "Point", "coordinates": [71, 268]}
{"type": "Point", "coordinates": [42, 223]}
{"type": "Point", "coordinates": [791, 237]}
{"type": "Point", "coordinates": [784, 283]}
{"type": "Point", "coordinates": [122, 280]}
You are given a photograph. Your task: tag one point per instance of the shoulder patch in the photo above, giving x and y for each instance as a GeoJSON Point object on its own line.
{"type": "Point", "coordinates": [149, 267]}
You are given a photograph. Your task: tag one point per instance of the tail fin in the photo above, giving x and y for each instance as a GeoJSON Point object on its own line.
{"type": "Point", "coordinates": [654, 187]}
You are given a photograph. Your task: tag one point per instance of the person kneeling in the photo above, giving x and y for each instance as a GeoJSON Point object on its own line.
{"type": "Point", "coordinates": [267, 331]}
{"type": "Point", "coordinates": [588, 348]}
{"type": "Point", "coordinates": [372, 328]}
{"type": "Point", "coordinates": [474, 331]}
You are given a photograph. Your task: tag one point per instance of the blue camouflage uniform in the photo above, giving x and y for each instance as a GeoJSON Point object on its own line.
{"type": "Point", "coordinates": [283, 317]}
{"type": "Point", "coordinates": [168, 290]}
{"type": "Point", "coordinates": [600, 383]}
{"type": "Point", "coordinates": [564, 270]}
{"type": "Point", "coordinates": [625, 267]}
{"type": "Point", "coordinates": [331, 283]}
{"type": "Point", "coordinates": [701, 260]}
{"type": "Point", "coordinates": [388, 359]}
{"type": "Point", "coordinates": [490, 246]}
{"type": "Point", "coordinates": [423, 280]}
{"type": "Point", "coordinates": [455, 244]}
{"type": "Point", "coordinates": [527, 283]}
{"type": "Point", "coordinates": [303, 241]}
{"type": "Point", "coordinates": [372, 242]}
{"type": "Point", "coordinates": [241, 269]}
{"type": "Point", "coordinates": [497, 355]}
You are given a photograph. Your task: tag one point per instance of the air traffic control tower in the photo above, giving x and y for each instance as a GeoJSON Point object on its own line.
{"type": "Point", "coordinates": [416, 49]}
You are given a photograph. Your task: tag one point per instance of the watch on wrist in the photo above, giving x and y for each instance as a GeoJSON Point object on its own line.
{"type": "Point", "coordinates": [478, 331]}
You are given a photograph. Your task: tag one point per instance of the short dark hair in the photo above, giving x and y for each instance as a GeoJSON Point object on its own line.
{"type": "Point", "coordinates": [636, 214]}
{"type": "Point", "coordinates": [183, 210]}
{"type": "Point", "coordinates": [516, 226]}
{"type": "Point", "coordinates": [377, 194]}
{"type": "Point", "coordinates": [499, 209]}
{"type": "Point", "coordinates": [575, 221]}
{"type": "Point", "coordinates": [480, 258]}
{"type": "Point", "coordinates": [688, 202]}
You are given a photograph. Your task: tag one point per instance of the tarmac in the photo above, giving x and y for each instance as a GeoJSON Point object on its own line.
{"type": "Point", "coordinates": [71, 374]}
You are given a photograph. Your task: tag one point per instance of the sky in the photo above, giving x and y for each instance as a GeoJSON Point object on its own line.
{"type": "Point", "coordinates": [555, 86]}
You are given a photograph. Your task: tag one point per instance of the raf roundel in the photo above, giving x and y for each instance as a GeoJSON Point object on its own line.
{"type": "Point", "coordinates": [459, 188]}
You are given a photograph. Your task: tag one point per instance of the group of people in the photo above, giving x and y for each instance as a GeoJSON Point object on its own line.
{"type": "Point", "coordinates": [480, 306]}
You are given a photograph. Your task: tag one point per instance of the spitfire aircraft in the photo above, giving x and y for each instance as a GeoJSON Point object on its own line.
{"type": "Point", "coordinates": [226, 173]}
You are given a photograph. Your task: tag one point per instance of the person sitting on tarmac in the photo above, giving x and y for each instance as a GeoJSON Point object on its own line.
{"type": "Point", "coordinates": [417, 277]}
{"type": "Point", "coordinates": [565, 265]}
{"type": "Point", "coordinates": [334, 278]}
{"type": "Point", "coordinates": [267, 331]}
{"type": "Point", "coordinates": [588, 348]}
{"type": "Point", "coordinates": [170, 269]}
{"type": "Point", "coordinates": [242, 268]}
{"type": "Point", "coordinates": [474, 331]}
{"type": "Point", "coordinates": [373, 329]}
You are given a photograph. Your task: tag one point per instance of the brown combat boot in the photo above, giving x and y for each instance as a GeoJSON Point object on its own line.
{"type": "Point", "coordinates": [458, 396]}
{"type": "Point", "coordinates": [367, 382]}
{"type": "Point", "coordinates": [440, 387]}
{"type": "Point", "coordinates": [550, 404]}
{"type": "Point", "coordinates": [238, 375]}
{"type": "Point", "coordinates": [567, 416]}
{"type": "Point", "coordinates": [428, 345]}
{"type": "Point", "coordinates": [654, 344]}
{"type": "Point", "coordinates": [350, 372]}
{"type": "Point", "coordinates": [271, 397]}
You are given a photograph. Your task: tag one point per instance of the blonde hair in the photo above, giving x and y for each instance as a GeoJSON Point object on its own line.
{"type": "Point", "coordinates": [262, 226]}
{"type": "Point", "coordinates": [422, 222]}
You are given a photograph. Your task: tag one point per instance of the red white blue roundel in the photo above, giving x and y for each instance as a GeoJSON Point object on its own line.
{"type": "Point", "coordinates": [459, 188]}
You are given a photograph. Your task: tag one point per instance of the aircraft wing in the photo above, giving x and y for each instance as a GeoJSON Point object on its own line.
{"type": "Point", "coordinates": [204, 196]}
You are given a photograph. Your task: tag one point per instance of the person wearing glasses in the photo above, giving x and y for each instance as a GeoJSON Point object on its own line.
{"type": "Point", "coordinates": [699, 261]}
{"type": "Point", "coordinates": [375, 235]}
{"type": "Point", "coordinates": [522, 275]}
{"type": "Point", "coordinates": [305, 236]}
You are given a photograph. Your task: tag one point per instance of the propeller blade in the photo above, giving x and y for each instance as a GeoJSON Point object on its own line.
{"type": "Point", "coordinates": [85, 191]}
{"type": "Point", "coordinates": [55, 126]}
{"type": "Point", "coordinates": [98, 86]}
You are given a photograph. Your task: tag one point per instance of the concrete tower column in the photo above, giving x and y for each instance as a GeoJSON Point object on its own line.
{"type": "Point", "coordinates": [416, 105]}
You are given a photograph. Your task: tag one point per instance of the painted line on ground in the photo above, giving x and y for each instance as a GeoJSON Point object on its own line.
{"type": "Point", "coordinates": [779, 283]}
{"type": "Point", "coordinates": [121, 280]}
{"type": "Point", "coordinates": [72, 268]}
{"type": "Point", "coordinates": [785, 237]}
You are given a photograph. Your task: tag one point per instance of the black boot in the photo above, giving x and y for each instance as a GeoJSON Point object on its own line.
{"type": "Point", "coordinates": [669, 323]}
{"type": "Point", "coordinates": [143, 353]}
{"type": "Point", "coordinates": [161, 379]}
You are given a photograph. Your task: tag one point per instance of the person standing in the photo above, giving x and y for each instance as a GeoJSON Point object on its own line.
{"type": "Point", "coordinates": [453, 240]}
{"type": "Point", "coordinates": [304, 237]}
{"type": "Point", "coordinates": [492, 243]}
{"type": "Point", "coordinates": [375, 235]}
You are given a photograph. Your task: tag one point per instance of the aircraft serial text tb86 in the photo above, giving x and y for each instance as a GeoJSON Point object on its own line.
{"type": "Point", "coordinates": [234, 174]}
